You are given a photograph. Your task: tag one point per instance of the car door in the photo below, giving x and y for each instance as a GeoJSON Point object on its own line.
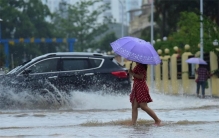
{"type": "Point", "coordinates": [98, 79]}
{"type": "Point", "coordinates": [42, 74]}
{"type": "Point", "coordinates": [76, 73]}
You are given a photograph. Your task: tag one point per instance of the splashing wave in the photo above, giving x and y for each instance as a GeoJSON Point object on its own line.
{"type": "Point", "coordinates": [48, 98]}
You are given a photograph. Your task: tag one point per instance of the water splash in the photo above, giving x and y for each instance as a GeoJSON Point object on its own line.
{"type": "Point", "coordinates": [47, 98]}
{"type": "Point", "coordinates": [51, 98]}
{"type": "Point", "coordinates": [90, 100]}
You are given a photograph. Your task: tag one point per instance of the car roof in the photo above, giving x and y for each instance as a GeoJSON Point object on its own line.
{"type": "Point", "coordinates": [67, 54]}
{"type": "Point", "coordinates": [78, 53]}
{"type": "Point", "coordinates": [71, 54]}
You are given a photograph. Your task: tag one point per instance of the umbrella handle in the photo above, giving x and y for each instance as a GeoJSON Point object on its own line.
{"type": "Point", "coordinates": [131, 65]}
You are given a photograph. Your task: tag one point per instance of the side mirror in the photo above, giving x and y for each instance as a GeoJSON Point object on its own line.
{"type": "Point", "coordinates": [27, 72]}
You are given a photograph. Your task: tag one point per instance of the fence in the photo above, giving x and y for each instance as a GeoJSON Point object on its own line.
{"type": "Point", "coordinates": [174, 76]}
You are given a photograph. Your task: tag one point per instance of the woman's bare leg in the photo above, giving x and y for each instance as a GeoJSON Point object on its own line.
{"type": "Point", "coordinates": [134, 112]}
{"type": "Point", "coordinates": [148, 110]}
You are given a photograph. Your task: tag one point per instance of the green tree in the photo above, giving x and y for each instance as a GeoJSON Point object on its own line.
{"type": "Point", "coordinates": [26, 19]}
{"type": "Point", "coordinates": [104, 43]}
{"type": "Point", "coordinates": [167, 12]}
{"type": "Point", "coordinates": [189, 32]}
{"type": "Point", "coordinates": [77, 21]}
{"type": "Point", "coordinates": [21, 21]}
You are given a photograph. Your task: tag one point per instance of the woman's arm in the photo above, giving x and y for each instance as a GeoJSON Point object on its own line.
{"type": "Point", "coordinates": [209, 74]}
{"type": "Point", "coordinates": [196, 71]}
{"type": "Point", "coordinates": [138, 76]}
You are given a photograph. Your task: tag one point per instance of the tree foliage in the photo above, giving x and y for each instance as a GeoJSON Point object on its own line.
{"type": "Point", "coordinates": [33, 19]}
{"type": "Point", "coordinates": [167, 12]}
{"type": "Point", "coordinates": [179, 20]}
{"type": "Point", "coordinates": [189, 33]}
{"type": "Point", "coordinates": [26, 19]}
{"type": "Point", "coordinates": [76, 21]}
{"type": "Point", "coordinates": [104, 43]}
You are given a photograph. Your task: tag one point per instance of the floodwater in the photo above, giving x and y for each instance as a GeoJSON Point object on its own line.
{"type": "Point", "coordinates": [96, 115]}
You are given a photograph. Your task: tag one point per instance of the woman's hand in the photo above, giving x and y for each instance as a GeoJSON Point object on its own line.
{"type": "Point", "coordinates": [131, 72]}
{"type": "Point", "coordinates": [196, 71]}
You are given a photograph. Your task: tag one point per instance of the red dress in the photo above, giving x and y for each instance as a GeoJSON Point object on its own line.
{"type": "Point", "coordinates": [140, 89]}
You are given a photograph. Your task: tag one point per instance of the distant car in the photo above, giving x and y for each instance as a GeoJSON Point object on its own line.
{"type": "Point", "coordinates": [67, 71]}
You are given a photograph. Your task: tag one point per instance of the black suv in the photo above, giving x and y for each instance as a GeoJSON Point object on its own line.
{"type": "Point", "coordinates": [67, 71]}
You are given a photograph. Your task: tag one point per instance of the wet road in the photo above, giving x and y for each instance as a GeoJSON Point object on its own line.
{"type": "Point", "coordinates": [89, 114]}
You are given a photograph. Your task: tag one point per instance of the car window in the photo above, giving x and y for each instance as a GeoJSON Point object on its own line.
{"type": "Point", "coordinates": [49, 65]}
{"type": "Point", "coordinates": [75, 64]}
{"type": "Point", "coordinates": [95, 62]}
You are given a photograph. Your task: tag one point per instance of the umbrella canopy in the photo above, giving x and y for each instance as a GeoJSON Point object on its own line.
{"type": "Point", "coordinates": [196, 61]}
{"type": "Point", "coordinates": [136, 49]}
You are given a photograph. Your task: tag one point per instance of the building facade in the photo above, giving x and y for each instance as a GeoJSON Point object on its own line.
{"type": "Point", "coordinates": [118, 9]}
{"type": "Point", "coordinates": [140, 22]}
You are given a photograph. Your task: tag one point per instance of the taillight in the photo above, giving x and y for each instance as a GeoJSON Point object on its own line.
{"type": "Point", "coordinates": [120, 74]}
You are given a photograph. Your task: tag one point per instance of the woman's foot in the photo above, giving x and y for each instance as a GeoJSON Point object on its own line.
{"type": "Point", "coordinates": [157, 123]}
{"type": "Point", "coordinates": [132, 123]}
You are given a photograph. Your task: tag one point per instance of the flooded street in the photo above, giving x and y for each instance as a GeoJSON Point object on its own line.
{"type": "Point", "coordinates": [89, 114]}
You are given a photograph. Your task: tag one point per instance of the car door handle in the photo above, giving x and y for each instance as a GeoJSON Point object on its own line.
{"type": "Point", "coordinates": [53, 77]}
{"type": "Point", "coordinates": [89, 74]}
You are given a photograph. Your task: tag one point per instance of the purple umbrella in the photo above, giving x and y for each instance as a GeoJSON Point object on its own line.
{"type": "Point", "coordinates": [196, 61]}
{"type": "Point", "coordinates": [136, 49]}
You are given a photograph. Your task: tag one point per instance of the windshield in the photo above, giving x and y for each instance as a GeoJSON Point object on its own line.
{"type": "Point", "coordinates": [14, 70]}
{"type": "Point", "coordinates": [18, 67]}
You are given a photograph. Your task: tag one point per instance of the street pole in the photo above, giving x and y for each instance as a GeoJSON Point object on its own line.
{"type": "Point", "coordinates": [152, 38]}
{"type": "Point", "coordinates": [122, 30]}
{"type": "Point", "coordinates": [122, 23]}
{"type": "Point", "coordinates": [201, 29]}
{"type": "Point", "coordinates": [0, 30]}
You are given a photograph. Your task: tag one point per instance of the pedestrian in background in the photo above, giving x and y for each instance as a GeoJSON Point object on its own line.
{"type": "Point", "coordinates": [140, 96]}
{"type": "Point", "coordinates": [203, 75]}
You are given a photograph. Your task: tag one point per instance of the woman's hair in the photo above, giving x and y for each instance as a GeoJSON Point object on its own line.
{"type": "Point", "coordinates": [202, 66]}
{"type": "Point", "coordinates": [145, 65]}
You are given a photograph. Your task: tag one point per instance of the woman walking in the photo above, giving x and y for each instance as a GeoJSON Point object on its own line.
{"type": "Point", "coordinates": [140, 96]}
{"type": "Point", "coordinates": [203, 75]}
